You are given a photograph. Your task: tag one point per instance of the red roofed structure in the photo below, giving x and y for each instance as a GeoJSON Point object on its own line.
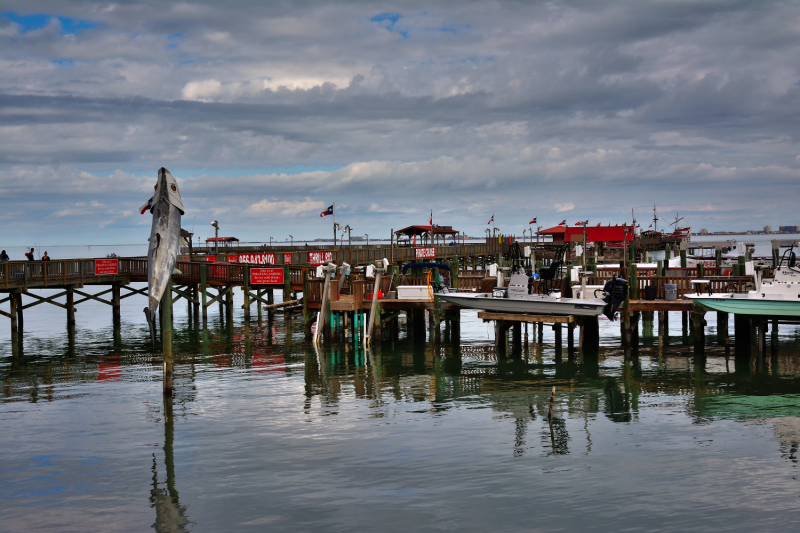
{"type": "Point", "coordinates": [426, 233]}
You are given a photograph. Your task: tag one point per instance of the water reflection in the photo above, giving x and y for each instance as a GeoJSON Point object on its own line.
{"type": "Point", "coordinates": [170, 514]}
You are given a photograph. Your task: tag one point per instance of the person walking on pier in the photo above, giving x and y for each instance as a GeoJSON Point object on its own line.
{"type": "Point", "coordinates": [45, 257]}
{"type": "Point", "coordinates": [4, 257]}
{"type": "Point", "coordinates": [29, 255]}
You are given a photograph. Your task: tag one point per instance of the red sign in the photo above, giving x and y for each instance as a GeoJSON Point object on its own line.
{"type": "Point", "coordinates": [231, 259]}
{"type": "Point", "coordinates": [266, 276]}
{"type": "Point", "coordinates": [424, 253]}
{"type": "Point", "coordinates": [318, 258]}
{"type": "Point", "coordinates": [287, 259]}
{"type": "Point", "coordinates": [256, 259]}
{"type": "Point", "coordinates": [105, 267]}
{"type": "Point", "coordinates": [210, 258]}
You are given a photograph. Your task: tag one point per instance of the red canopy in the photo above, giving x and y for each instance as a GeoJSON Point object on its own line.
{"type": "Point", "coordinates": [222, 239]}
{"type": "Point", "coordinates": [419, 230]}
{"type": "Point", "coordinates": [600, 234]}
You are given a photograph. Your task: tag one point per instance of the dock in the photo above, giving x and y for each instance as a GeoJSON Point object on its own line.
{"type": "Point", "coordinates": [205, 280]}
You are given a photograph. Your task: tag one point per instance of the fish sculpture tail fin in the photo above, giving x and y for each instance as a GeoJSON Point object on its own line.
{"type": "Point", "coordinates": [151, 322]}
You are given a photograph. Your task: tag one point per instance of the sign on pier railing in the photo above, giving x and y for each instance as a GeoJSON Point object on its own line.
{"type": "Point", "coordinates": [287, 259]}
{"type": "Point", "coordinates": [106, 267]}
{"type": "Point", "coordinates": [318, 258]}
{"type": "Point", "coordinates": [255, 259]}
{"type": "Point", "coordinates": [425, 253]}
{"type": "Point", "coordinates": [266, 276]}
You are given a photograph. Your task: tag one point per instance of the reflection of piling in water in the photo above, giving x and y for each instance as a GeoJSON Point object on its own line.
{"type": "Point", "coordinates": [170, 514]}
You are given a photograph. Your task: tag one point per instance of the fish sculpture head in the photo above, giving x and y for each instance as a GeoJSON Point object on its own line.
{"type": "Point", "coordinates": [167, 187]}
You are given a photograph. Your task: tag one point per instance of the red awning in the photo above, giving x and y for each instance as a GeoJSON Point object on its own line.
{"type": "Point", "coordinates": [222, 239]}
{"type": "Point", "coordinates": [555, 230]}
{"type": "Point", "coordinates": [601, 233]}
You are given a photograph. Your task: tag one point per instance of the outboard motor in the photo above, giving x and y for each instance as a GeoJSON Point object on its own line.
{"type": "Point", "coordinates": [614, 292]}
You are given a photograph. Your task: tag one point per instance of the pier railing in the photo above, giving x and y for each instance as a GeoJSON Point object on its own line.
{"type": "Point", "coordinates": [719, 284]}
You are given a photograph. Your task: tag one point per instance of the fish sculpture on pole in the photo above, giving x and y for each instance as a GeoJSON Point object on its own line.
{"type": "Point", "coordinates": [162, 251]}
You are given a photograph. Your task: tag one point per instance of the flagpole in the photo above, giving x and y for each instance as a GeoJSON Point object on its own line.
{"type": "Point", "coordinates": [334, 228]}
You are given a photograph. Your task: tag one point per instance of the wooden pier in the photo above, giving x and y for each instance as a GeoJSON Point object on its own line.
{"type": "Point", "coordinates": [348, 306]}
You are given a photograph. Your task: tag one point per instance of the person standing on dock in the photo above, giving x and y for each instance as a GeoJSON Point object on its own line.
{"type": "Point", "coordinates": [29, 255]}
{"type": "Point", "coordinates": [4, 257]}
{"type": "Point", "coordinates": [45, 257]}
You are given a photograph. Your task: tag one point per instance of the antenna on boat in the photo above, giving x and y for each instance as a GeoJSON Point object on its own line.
{"type": "Point", "coordinates": [655, 218]}
{"type": "Point", "coordinates": [674, 223]}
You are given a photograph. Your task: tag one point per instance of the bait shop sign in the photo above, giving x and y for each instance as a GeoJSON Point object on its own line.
{"type": "Point", "coordinates": [318, 258]}
{"type": "Point", "coordinates": [424, 253]}
{"type": "Point", "coordinates": [257, 259]}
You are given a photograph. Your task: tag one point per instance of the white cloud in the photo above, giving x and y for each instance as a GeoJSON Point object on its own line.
{"type": "Point", "coordinates": [288, 208]}
{"type": "Point", "coordinates": [563, 208]}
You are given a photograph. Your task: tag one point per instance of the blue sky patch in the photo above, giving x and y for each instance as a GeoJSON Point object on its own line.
{"type": "Point", "coordinates": [388, 20]}
{"type": "Point", "coordinates": [63, 62]}
{"type": "Point", "coordinates": [35, 22]}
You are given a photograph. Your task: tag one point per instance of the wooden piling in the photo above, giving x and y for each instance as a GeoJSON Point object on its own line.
{"type": "Point", "coordinates": [115, 305]}
{"type": "Point", "coordinates": [203, 287]}
{"type": "Point", "coordinates": [70, 305]}
{"type": "Point", "coordinates": [722, 328]}
{"type": "Point", "coordinates": [246, 291]}
{"type": "Point", "coordinates": [13, 312]}
{"type": "Point", "coordinates": [166, 338]}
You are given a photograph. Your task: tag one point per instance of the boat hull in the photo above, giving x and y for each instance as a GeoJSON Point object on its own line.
{"type": "Point", "coordinates": [749, 306]}
{"type": "Point", "coordinates": [562, 306]}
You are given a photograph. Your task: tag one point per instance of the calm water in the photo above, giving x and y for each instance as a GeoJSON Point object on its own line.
{"type": "Point", "coordinates": [266, 433]}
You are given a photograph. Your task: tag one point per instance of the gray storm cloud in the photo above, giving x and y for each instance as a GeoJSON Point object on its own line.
{"type": "Point", "coordinates": [267, 112]}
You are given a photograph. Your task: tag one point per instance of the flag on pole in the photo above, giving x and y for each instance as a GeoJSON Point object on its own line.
{"type": "Point", "coordinates": [563, 222]}
{"type": "Point", "coordinates": [327, 212]}
{"type": "Point", "coordinates": [430, 222]}
{"type": "Point", "coordinates": [532, 221]}
{"type": "Point", "coordinates": [578, 223]}
{"type": "Point", "coordinates": [598, 224]}
{"type": "Point", "coordinates": [490, 220]}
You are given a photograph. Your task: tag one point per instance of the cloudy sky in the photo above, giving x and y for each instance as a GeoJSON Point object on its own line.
{"type": "Point", "coordinates": [268, 112]}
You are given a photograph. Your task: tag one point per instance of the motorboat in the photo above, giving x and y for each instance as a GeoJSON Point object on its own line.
{"type": "Point", "coordinates": [518, 298]}
{"type": "Point", "coordinates": [779, 296]}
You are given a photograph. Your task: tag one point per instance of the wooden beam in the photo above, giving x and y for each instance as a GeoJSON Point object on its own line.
{"type": "Point", "coordinates": [185, 294]}
{"type": "Point", "coordinates": [274, 306]}
{"type": "Point", "coordinates": [661, 305]}
{"type": "Point", "coordinates": [218, 297]}
{"type": "Point", "coordinates": [514, 317]}
{"type": "Point", "coordinates": [133, 292]}
{"type": "Point", "coordinates": [88, 297]}
{"type": "Point", "coordinates": [44, 300]}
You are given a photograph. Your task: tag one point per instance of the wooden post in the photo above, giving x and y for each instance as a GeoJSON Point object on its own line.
{"type": "Point", "coordinates": [166, 337]}
{"type": "Point", "coordinates": [698, 331]}
{"type": "Point", "coordinates": [437, 331]}
{"type": "Point", "coordinates": [115, 305]}
{"type": "Point", "coordinates": [20, 311]}
{"type": "Point", "coordinates": [229, 306]}
{"type": "Point", "coordinates": [203, 291]}
{"type": "Point", "coordinates": [570, 337]}
{"type": "Point", "coordinates": [557, 331]}
{"type": "Point", "coordinates": [287, 283]}
{"type": "Point", "coordinates": [70, 305]}
{"type": "Point", "coordinates": [701, 271]}
{"type": "Point", "coordinates": [246, 291]}
{"type": "Point", "coordinates": [722, 328]}
{"type": "Point", "coordinates": [13, 305]}
{"type": "Point", "coordinates": [307, 319]}
{"type": "Point", "coordinates": [718, 259]}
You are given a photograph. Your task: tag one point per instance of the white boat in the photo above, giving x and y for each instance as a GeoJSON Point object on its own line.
{"type": "Point", "coordinates": [516, 299]}
{"type": "Point", "coordinates": [778, 297]}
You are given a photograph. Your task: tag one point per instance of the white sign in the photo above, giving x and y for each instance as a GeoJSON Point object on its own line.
{"type": "Point", "coordinates": [424, 253]}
